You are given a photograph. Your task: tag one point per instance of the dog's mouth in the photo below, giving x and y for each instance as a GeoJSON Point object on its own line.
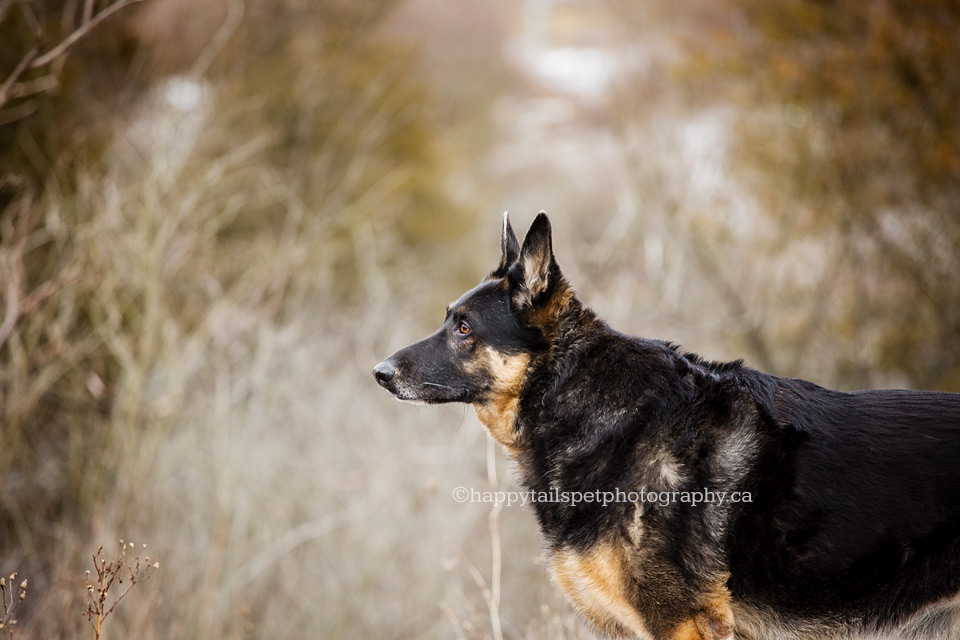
{"type": "Point", "coordinates": [404, 387]}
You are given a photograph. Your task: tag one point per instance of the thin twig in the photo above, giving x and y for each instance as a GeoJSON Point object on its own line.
{"type": "Point", "coordinates": [6, 89]}
{"type": "Point", "coordinates": [495, 551]}
{"type": "Point", "coordinates": [82, 31]}
{"type": "Point", "coordinates": [28, 60]}
{"type": "Point", "coordinates": [14, 279]}
{"type": "Point", "coordinates": [232, 22]}
{"type": "Point", "coordinates": [31, 16]}
{"type": "Point", "coordinates": [87, 10]}
{"type": "Point", "coordinates": [19, 112]}
{"type": "Point", "coordinates": [35, 86]}
{"type": "Point", "coordinates": [33, 59]}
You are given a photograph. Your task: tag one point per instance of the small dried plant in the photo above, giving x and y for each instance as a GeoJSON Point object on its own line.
{"type": "Point", "coordinates": [10, 602]}
{"type": "Point", "coordinates": [101, 601]}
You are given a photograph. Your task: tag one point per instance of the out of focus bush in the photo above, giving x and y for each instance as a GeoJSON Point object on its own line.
{"type": "Point", "coordinates": [847, 136]}
{"type": "Point", "coordinates": [158, 213]}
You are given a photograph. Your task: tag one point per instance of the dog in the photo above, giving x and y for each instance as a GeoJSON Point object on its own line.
{"type": "Point", "coordinates": [821, 514]}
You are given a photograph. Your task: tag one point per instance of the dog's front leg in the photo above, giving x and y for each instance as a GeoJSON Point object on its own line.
{"type": "Point", "coordinates": [709, 624]}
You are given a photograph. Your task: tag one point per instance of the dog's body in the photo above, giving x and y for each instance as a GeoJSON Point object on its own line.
{"type": "Point", "coordinates": [840, 515]}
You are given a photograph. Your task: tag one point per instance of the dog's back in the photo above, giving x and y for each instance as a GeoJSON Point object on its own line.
{"type": "Point", "coordinates": [861, 493]}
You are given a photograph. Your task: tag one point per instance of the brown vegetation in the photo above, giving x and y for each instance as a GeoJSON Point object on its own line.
{"type": "Point", "coordinates": [222, 214]}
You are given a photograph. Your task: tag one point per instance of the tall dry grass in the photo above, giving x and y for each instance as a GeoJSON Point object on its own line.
{"type": "Point", "coordinates": [189, 324]}
{"type": "Point", "coordinates": [194, 293]}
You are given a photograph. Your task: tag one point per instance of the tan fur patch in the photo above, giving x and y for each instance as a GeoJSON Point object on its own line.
{"type": "Point", "coordinates": [546, 317]}
{"type": "Point", "coordinates": [498, 412]}
{"type": "Point", "coordinates": [669, 473]}
{"type": "Point", "coordinates": [596, 584]}
{"type": "Point", "coordinates": [536, 269]}
{"type": "Point", "coordinates": [687, 631]}
{"type": "Point", "coordinates": [713, 622]}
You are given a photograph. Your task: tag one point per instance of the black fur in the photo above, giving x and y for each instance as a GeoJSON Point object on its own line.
{"type": "Point", "coordinates": [853, 527]}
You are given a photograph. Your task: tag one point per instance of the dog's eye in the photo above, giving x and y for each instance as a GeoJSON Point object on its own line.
{"type": "Point", "coordinates": [463, 328]}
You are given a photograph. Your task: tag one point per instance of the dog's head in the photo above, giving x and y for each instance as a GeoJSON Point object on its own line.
{"type": "Point", "coordinates": [484, 348]}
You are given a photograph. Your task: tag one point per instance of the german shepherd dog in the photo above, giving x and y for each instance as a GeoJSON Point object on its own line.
{"type": "Point", "coordinates": [848, 518]}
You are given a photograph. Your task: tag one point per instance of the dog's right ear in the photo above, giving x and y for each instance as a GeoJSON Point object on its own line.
{"type": "Point", "coordinates": [537, 287]}
{"type": "Point", "coordinates": [509, 248]}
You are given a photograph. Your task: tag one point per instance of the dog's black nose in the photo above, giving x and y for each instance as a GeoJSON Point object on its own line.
{"type": "Point", "coordinates": [384, 372]}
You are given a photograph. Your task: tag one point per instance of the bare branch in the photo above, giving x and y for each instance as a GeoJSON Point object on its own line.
{"type": "Point", "coordinates": [33, 59]}
{"type": "Point", "coordinates": [35, 86]}
{"type": "Point", "coordinates": [82, 30]}
{"type": "Point", "coordinates": [18, 112]}
{"type": "Point", "coordinates": [28, 60]}
{"type": "Point", "coordinates": [6, 89]}
{"type": "Point", "coordinates": [14, 293]}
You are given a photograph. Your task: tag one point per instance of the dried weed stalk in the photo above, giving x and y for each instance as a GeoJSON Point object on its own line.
{"type": "Point", "coordinates": [100, 601]}
{"type": "Point", "coordinates": [10, 603]}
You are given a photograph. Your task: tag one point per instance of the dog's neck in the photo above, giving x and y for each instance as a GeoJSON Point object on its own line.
{"type": "Point", "coordinates": [499, 411]}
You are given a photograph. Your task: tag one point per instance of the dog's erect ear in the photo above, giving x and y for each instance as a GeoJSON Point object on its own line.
{"type": "Point", "coordinates": [536, 261]}
{"type": "Point", "coordinates": [509, 248]}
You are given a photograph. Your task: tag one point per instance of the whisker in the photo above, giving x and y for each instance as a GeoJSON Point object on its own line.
{"type": "Point", "coordinates": [442, 386]}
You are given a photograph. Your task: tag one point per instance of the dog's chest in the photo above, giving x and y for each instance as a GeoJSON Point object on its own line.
{"type": "Point", "coordinates": [499, 416]}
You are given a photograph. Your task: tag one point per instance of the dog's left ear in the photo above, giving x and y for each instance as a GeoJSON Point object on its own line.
{"type": "Point", "coordinates": [509, 248]}
{"type": "Point", "coordinates": [536, 264]}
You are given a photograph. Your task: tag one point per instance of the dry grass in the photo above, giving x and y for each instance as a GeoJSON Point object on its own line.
{"type": "Point", "coordinates": [208, 389]}
{"type": "Point", "coordinates": [188, 322]}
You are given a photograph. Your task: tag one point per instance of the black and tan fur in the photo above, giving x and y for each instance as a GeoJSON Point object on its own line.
{"type": "Point", "coordinates": [853, 530]}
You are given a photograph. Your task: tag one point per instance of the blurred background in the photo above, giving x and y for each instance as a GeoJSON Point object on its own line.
{"type": "Point", "coordinates": [217, 215]}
